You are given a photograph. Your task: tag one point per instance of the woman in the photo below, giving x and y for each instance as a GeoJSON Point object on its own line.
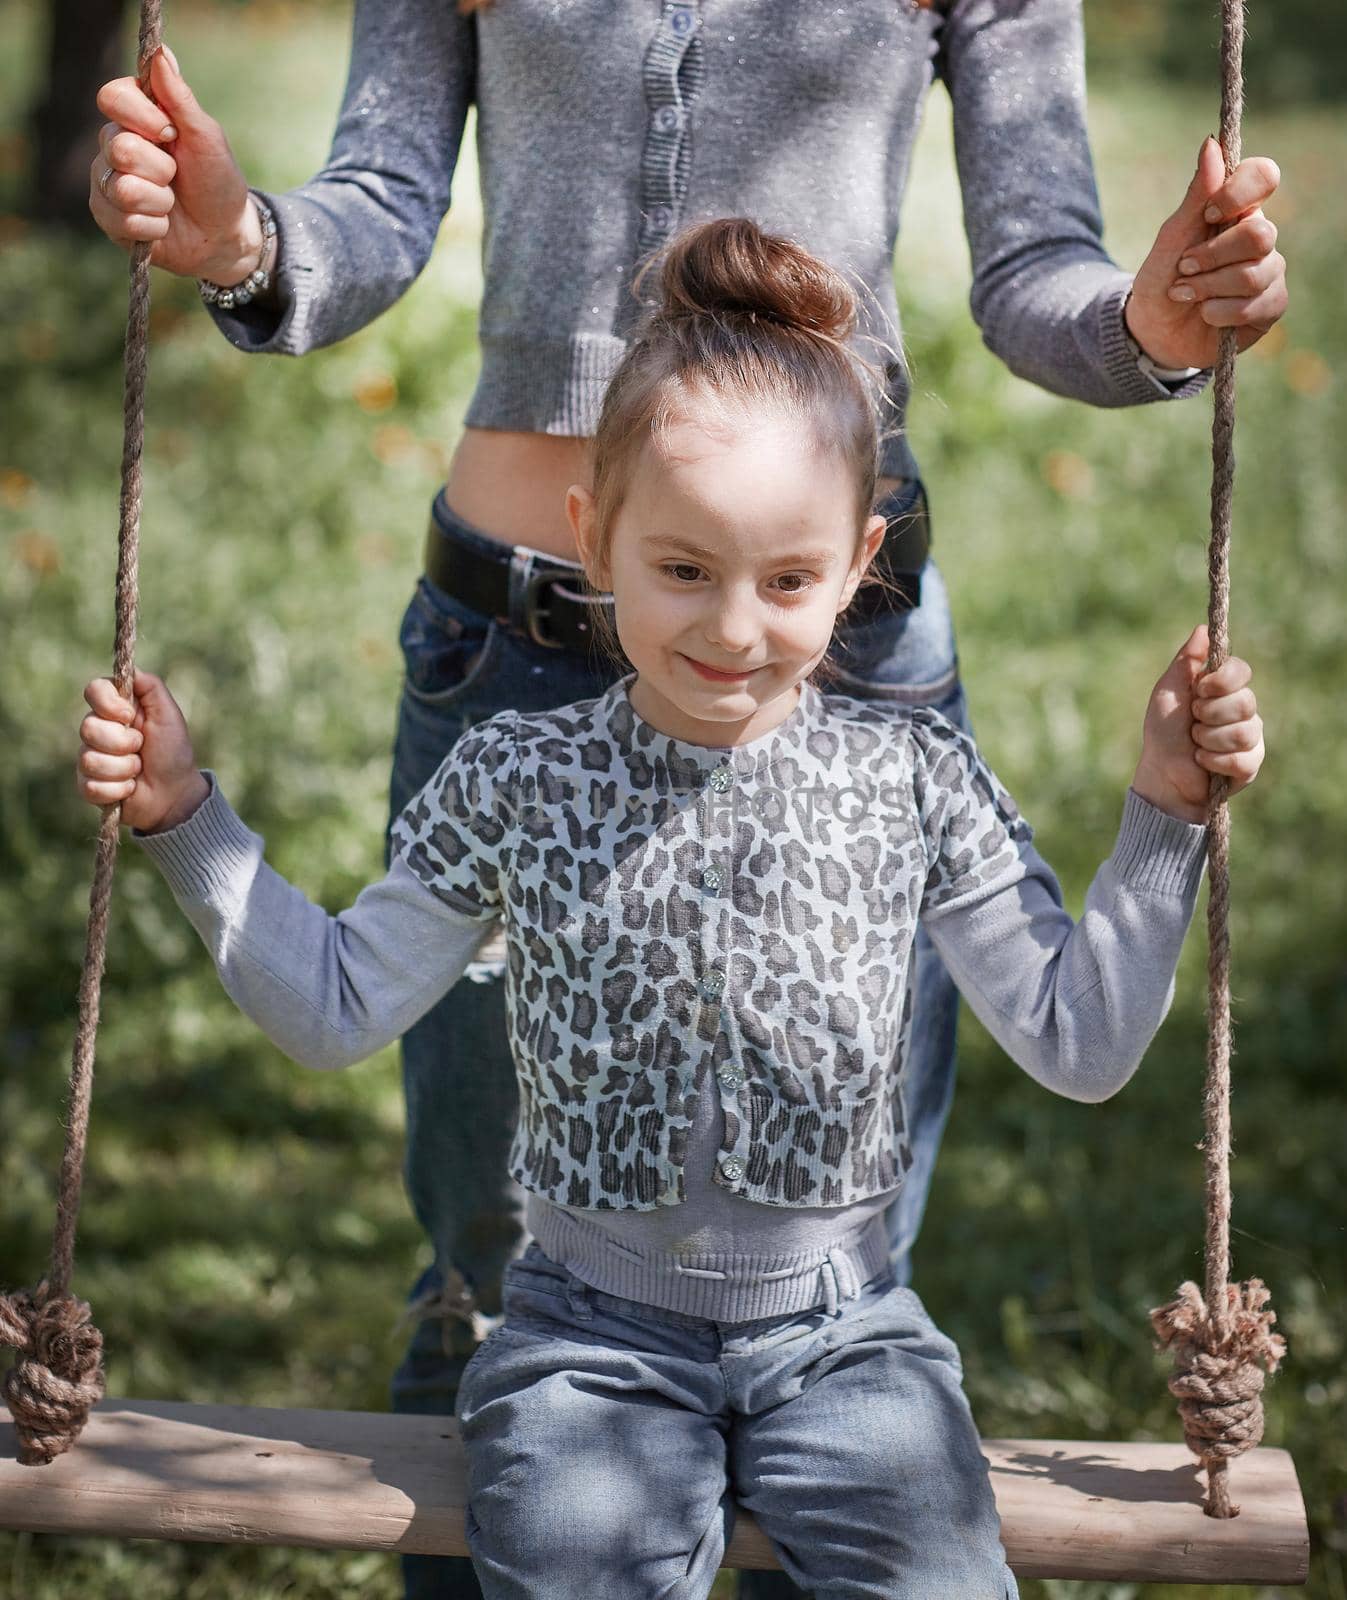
{"type": "Point", "coordinates": [602, 129]}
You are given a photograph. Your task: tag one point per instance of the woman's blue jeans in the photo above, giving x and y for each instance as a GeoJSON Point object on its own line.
{"type": "Point", "coordinates": [458, 1075]}
{"type": "Point", "coordinates": [610, 1444]}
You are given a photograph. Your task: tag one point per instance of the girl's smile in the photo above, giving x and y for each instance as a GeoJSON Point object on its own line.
{"type": "Point", "coordinates": [717, 676]}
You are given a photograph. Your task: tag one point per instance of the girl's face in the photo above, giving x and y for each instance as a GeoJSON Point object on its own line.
{"type": "Point", "coordinates": [730, 558]}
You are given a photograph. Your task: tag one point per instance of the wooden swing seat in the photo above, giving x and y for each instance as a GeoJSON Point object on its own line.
{"type": "Point", "coordinates": [366, 1480]}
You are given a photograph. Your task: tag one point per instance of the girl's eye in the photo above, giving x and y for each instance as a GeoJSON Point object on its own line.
{"type": "Point", "coordinates": [677, 570]}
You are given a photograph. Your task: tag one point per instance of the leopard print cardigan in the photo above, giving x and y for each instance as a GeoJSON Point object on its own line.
{"type": "Point", "coordinates": [750, 909]}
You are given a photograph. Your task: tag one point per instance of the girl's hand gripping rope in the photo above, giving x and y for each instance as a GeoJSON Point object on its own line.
{"type": "Point", "coordinates": [140, 756]}
{"type": "Point", "coordinates": [1197, 723]}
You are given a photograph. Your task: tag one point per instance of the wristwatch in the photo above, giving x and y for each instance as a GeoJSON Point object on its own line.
{"type": "Point", "coordinates": [1152, 370]}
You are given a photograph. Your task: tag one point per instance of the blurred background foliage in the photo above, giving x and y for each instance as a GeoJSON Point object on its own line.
{"type": "Point", "coordinates": [244, 1233]}
{"type": "Point", "coordinates": [1294, 52]}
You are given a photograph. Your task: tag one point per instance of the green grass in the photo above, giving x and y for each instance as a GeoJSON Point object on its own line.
{"type": "Point", "coordinates": [244, 1233]}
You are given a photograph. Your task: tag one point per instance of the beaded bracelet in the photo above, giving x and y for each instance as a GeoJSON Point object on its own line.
{"type": "Point", "coordinates": [257, 281]}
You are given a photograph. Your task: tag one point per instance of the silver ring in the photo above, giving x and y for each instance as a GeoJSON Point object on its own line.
{"type": "Point", "coordinates": [108, 172]}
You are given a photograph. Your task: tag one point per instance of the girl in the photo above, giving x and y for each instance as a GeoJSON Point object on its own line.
{"type": "Point", "coordinates": [710, 879]}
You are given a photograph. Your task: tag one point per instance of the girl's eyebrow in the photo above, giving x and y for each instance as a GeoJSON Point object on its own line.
{"type": "Point", "coordinates": [670, 541]}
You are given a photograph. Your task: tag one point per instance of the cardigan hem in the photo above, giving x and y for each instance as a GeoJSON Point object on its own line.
{"type": "Point", "coordinates": [721, 1285]}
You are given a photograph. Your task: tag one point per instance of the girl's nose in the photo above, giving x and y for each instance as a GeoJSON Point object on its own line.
{"type": "Point", "coordinates": [731, 625]}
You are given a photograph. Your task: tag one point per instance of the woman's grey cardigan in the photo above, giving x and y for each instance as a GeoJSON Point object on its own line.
{"type": "Point", "coordinates": [605, 125]}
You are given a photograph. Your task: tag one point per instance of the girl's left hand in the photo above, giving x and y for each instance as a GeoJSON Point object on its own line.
{"type": "Point", "coordinates": [1196, 281]}
{"type": "Point", "coordinates": [1197, 723]}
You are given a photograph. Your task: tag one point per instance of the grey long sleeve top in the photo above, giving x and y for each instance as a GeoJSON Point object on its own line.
{"type": "Point", "coordinates": [603, 128]}
{"type": "Point", "coordinates": [709, 955]}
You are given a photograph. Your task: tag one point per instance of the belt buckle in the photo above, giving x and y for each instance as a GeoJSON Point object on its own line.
{"type": "Point", "coordinates": [530, 570]}
{"type": "Point", "coordinates": [533, 613]}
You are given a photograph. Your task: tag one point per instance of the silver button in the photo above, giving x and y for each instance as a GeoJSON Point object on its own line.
{"type": "Point", "coordinates": [682, 20]}
{"type": "Point", "coordinates": [712, 878]}
{"type": "Point", "coordinates": [713, 984]}
{"type": "Point", "coordinates": [667, 119]}
{"type": "Point", "coordinates": [661, 217]}
{"type": "Point", "coordinates": [731, 1077]}
{"type": "Point", "coordinates": [721, 778]}
{"type": "Point", "coordinates": [732, 1167]}
{"type": "Point", "coordinates": [844, 941]}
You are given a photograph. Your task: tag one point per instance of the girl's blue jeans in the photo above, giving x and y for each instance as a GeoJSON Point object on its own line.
{"type": "Point", "coordinates": [458, 1075]}
{"type": "Point", "coordinates": [609, 1442]}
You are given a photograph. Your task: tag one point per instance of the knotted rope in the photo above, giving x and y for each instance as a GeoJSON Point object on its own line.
{"type": "Point", "coordinates": [1219, 1340]}
{"type": "Point", "coordinates": [59, 1377]}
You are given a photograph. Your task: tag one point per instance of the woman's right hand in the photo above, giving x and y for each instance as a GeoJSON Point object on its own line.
{"type": "Point", "coordinates": [139, 757]}
{"type": "Point", "coordinates": [175, 181]}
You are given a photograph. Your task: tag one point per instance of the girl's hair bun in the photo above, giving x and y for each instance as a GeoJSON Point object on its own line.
{"type": "Point", "coordinates": [730, 267]}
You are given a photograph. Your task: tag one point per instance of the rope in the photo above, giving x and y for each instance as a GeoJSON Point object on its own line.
{"type": "Point", "coordinates": [1219, 1339]}
{"type": "Point", "coordinates": [58, 1378]}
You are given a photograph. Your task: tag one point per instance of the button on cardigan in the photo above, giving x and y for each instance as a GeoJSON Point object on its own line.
{"type": "Point", "coordinates": [780, 987]}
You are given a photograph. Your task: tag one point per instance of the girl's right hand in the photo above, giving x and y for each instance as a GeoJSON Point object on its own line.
{"type": "Point", "coordinates": [175, 181]}
{"type": "Point", "coordinates": [141, 757]}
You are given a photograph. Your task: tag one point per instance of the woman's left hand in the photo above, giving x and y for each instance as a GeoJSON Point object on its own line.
{"type": "Point", "coordinates": [1196, 281]}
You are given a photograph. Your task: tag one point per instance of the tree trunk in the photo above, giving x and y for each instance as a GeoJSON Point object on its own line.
{"type": "Point", "coordinates": [85, 48]}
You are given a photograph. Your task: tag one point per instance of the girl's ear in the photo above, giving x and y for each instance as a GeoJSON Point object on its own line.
{"type": "Point", "coordinates": [580, 515]}
{"type": "Point", "coordinates": [869, 549]}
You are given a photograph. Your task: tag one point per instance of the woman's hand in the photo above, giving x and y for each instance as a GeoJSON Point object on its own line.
{"type": "Point", "coordinates": [1195, 282]}
{"type": "Point", "coordinates": [140, 757]}
{"type": "Point", "coordinates": [1198, 723]}
{"type": "Point", "coordinates": [175, 179]}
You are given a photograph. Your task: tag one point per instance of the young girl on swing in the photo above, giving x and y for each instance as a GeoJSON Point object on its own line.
{"type": "Point", "coordinates": [710, 878]}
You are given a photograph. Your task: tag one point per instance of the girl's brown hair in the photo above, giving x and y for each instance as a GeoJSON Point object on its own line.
{"type": "Point", "coordinates": [742, 321]}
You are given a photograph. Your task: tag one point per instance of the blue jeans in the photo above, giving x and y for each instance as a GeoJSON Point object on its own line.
{"type": "Point", "coordinates": [608, 1443]}
{"type": "Point", "coordinates": [458, 1075]}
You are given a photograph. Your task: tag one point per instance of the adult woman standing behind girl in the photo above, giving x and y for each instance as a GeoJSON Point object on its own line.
{"type": "Point", "coordinates": [601, 129]}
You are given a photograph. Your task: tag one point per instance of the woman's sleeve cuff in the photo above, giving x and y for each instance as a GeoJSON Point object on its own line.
{"type": "Point", "coordinates": [1127, 368]}
{"type": "Point", "coordinates": [274, 329]}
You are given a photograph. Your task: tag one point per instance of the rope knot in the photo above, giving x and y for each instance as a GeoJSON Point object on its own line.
{"type": "Point", "coordinates": [58, 1378]}
{"type": "Point", "coordinates": [1217, 1380]}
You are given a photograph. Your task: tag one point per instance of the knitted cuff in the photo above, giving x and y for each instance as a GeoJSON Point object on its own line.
{"type": "Point", "coordinates": [273, 329]}
{"type": "Point", "coordinates": [1158, 853]}
{"type": "Point", "coordinates": [1135, 386]}
{"type": "Point", "coordinates": [203, 857]}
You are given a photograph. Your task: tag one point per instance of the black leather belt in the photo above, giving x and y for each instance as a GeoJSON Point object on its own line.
{"type": "Point", "coordinates": [551, 600]}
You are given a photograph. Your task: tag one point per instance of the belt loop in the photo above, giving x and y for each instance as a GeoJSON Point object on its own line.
{"type": "Point", "coordinates": [853, 1269]}
{"type": "Point", "coordinates": [845, 1274]}
{"type": "Point", "coordinates": [577, 1298]}
{"type": "Point", "coordinates": [828, 1273]}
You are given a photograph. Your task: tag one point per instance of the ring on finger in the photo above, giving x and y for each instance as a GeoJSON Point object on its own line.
{"type": "Point", "coordinates": [108, 172]}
